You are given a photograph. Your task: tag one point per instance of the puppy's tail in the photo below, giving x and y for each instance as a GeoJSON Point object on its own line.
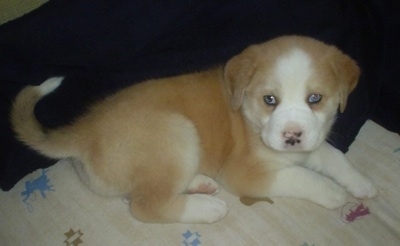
{"type": "Point", "coordinates": [51, 143]}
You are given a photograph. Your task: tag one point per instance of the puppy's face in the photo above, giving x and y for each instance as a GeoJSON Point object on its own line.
{"type": "Point", "coordinates": [290, 89]}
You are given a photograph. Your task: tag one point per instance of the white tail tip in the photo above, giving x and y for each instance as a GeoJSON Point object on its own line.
{"type": "Point", "coordinates": [50, 85]}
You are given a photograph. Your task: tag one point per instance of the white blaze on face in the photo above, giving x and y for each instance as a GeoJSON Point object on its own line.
{"type": "Point", "coordinates": [293, 126]}
{"type": "Point", "coordinates": [293, 70]}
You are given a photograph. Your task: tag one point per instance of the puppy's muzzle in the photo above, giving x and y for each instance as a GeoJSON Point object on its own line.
{"type": "Point", "coordinates": [292, 129]}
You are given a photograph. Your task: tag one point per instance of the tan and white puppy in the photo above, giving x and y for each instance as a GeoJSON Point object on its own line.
{"type": "Point", "coordinates": [257, 126]}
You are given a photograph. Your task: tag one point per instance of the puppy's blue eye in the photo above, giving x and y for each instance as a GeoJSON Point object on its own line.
{"type": "Point", "coordinates": [270, 100]}
{"type": "Point", "coordinates": [314, 98]}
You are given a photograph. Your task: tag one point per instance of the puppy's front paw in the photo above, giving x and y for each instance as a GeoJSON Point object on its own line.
{"type": "Point", "coordinates": [333, 198]}
{"type": "Point", "coordinates": [362, 188]}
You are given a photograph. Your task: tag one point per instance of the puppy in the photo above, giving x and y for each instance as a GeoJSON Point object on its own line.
{"type": "Point", "coordinates": [257, 126]}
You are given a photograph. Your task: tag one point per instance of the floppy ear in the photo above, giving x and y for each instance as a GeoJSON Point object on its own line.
{"type": "Point", "coordinates": [237, 76]}
{"type": "Point", "coordinates": [347, 73]}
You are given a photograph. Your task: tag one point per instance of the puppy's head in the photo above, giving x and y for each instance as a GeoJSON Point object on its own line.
{"type": "Point", "coordinates": [290, 89]}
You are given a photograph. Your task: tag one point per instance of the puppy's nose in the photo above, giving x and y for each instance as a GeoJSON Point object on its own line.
{"type": "Point", "coordinates": [289, 134]}
{"type": "Point", "coordinates": [292, 137]}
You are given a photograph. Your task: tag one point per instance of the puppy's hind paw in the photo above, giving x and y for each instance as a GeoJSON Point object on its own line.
{"type": "Point", "coordinates": [202, 208]}
{"type": "Point", "coordinates": [203, 184]}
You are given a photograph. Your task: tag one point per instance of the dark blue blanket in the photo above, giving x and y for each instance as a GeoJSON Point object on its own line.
{"type": "Point", "coordinates": [101, 46]}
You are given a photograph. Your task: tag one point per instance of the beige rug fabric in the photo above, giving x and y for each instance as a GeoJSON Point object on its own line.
{"type": "Point", "coordinates": [53, 207]}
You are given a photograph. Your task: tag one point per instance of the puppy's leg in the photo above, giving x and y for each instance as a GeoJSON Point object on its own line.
{"type": "Point", "coordinates": [298, 182]}
{"type": "Point", "coordinates": [159, 205]}
{"type": "Point", "coordinates": [160, 191]}
{"type": "Point", "coordinates": [203, 184]}
{"type": "Point", "coordinates": [334, 164]}
{"type": "Point", "coordinates": [163, 200]}
{"type": "Point", "coordinates": [254, 178]}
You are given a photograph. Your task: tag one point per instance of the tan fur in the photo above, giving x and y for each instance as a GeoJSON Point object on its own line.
{"type": "Point", "coordinates": [150, 140]}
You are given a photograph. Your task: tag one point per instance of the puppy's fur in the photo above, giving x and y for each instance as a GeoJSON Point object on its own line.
{"type": "Point", "coordinates": [257, 126]}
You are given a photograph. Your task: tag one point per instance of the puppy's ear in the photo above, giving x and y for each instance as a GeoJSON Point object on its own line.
{"type": "Point", "coordinates": [347, 72]}
{"type": "Point", "coordinates": [237, 76]}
